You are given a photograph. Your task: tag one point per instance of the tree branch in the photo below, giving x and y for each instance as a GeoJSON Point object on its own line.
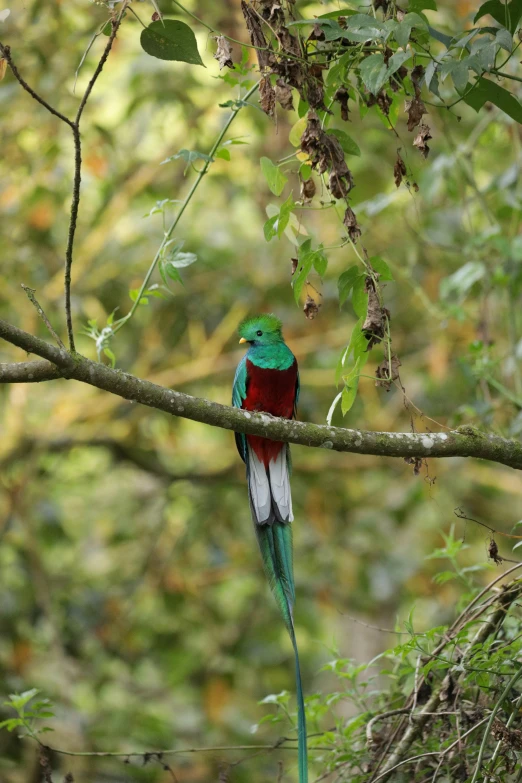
{"type": "Point", "coordinates": [29, 372]}
{"type": "Point", "coordinates": [5, 51]}
{"type": "Point", "coordinates": [464, 442]}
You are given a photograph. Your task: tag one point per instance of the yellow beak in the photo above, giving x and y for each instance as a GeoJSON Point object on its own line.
{"type": "Point", "coordinates": [242, 340]}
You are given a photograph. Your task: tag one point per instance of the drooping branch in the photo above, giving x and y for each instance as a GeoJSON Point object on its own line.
{"type": "Point", "coordinates": [5, 52]}
{"type": "Point", "coordinates": [464, 442]}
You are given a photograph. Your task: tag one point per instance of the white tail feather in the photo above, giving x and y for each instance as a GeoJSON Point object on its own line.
{"type": "Point", "coordinates": [259, 486]}
{"type": "Point", "coordinates": [280, 484]}
{"type": "Point", "coordinates": [270, 489]}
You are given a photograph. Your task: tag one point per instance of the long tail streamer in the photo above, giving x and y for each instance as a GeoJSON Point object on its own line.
{"type": "Point", "coordinates": [275, 543]}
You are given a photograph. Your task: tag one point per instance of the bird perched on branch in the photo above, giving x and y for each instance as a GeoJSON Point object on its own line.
{"type": "Point", "coordinates": [267, 379]}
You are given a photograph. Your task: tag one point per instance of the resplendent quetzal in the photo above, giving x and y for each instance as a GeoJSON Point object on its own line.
{"type": "Point", "coordinates": [267, 380]}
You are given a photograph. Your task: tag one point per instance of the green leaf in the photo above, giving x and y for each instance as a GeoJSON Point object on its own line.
{"type": "Point", "coordinates": [381, 267]}
{"type": "Point", "coordinates": [320, 262]}
{"type": "Point", "coordinates": [296, 131]}
{"type": "Point", "coordinates": [373, 72]}
{"type": "Point", "coordinates": [487, 90]}
{"type": "Point", "coordinates": [189, 156]}
{"type": "Point", "coordinates": [269, 229]}
{"type": "Point", "coordinates": [346, 282]}
{"type": "Point", "coordinates": [275, 178]}
{"type": "Point", "coordinates": [395, 62]}
{"type": "Point", "coordinates": [19, 700]}
{"type": "Point", "coordinates": [223, 153]}
{"type": "Point", "coordinates": [171, 40]}
{"type": "Point", "coordinates": [305, 171]}
{"type": "Point", "coordinates": [459, 74]}
{"type": "Point", "coordinates": [305, 261]}
{"type": "Point", "coordinates": [504, 39]}
{"type": "Point", "coordinates": [402, 33]}
{"type": "Point", "coordinates": [347, 143]}
{"type": "Point", "coordinates": [350, 390]}
{"type": "Point", "coordinates": [134, 293]}
{"type": "Point", "coordinates": [11, 723]}
{"type": "Point", "coordinates": [415, 20]}
{"type": "Point", "coordinates": [360, 27]}
{"type": "Point", "coordinates": [360, 297]}
{"type": "Point", "coordinates": [181, 260]}
{"type": "Point", "coordinates": [486, 56]}
{"type": "Point", "coordinates": [284, 215]}
{"type": "Point", "coordinates": [506, 14]}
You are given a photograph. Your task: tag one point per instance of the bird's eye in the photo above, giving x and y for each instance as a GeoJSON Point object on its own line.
{"type": "Point", "coordinates": [259, 333]}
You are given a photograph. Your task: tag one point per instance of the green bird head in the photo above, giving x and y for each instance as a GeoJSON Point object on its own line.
{"type": "Point", "coordinates": [262, 329]}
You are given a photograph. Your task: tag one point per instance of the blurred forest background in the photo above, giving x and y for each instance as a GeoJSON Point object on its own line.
{"type": "Point", "coordinates": [132, 592]}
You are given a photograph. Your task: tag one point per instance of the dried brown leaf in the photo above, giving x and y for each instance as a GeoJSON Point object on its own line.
{"type": "Point", "coordinates": [416, 462]}
{"type": "Point", "coordinates": [3, 67]}
{"type": "Point", "coordinates": [283, 94]}
{"type": "Point", "coordinates": [307, 190]}
{"type": "Point", "coordinates": [224, 53]}
{"type": "Point", "coordinates": [326, 154]}
{"type": "Point", "coordinates": [311, 308]}
{"type": "Point", "coordinates": [374, 325]}
{"type": "Point", "coordinates": [294, 262]}
{"type": "Point", "coordinates": [384, 377]}
{"type": "Point", "coordinates": [267, 96]}
{"type": "Point", "coordinates": [341, 96]}
{"type": "Point", "coordinates": [399, 170]}
{"type": "Point", "coordinates": [350, 221]}
{"type": "Point", "coordinates": [421, 139]}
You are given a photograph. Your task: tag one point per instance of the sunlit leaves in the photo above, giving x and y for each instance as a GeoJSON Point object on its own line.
{"type": "Point", "coordinates": [277, 224]}
{"type": "Point", "coordinates": [297, 131]}
{"type": "Point", "coordinates": [189, 156]}
{"type": "Point", "coordinates": [172, 259]}
{"type": "Point", "coordinates": [308, 259]}
{"type": "Point", "coordinates": [27, 713]}
{"type": "Point", "coordinates": [171, 40]}
{"type": "Point", "coordinates": [275, 178]}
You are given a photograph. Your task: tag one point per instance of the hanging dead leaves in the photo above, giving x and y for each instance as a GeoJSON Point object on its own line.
{"type": "Point", "coordinates": [307, 190]}
{"type": "Point", "coordinates": [326, 154]}
{"type": "Point", "coordinates": [399, 170]}
{"type": "Point", "coordinates": [387, 373]}
{"type": "Point", "coordinates": [421, 139]}
{"type": "Point", "coordinates": [311, 307]}
{"type": "Point", "coordinates": [350, 221]}
{"type": "Point", "coordinates": [416, 110]}
{"type": "Point", "coordinates": [224, 53]}
{"type": "Point", "coordinates": [374, 326]}
{"type": "Point", "coordinates": [341, 96]}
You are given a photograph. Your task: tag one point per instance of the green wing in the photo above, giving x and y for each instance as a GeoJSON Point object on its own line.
{"type": "Point", "coordinates": [239, 392]}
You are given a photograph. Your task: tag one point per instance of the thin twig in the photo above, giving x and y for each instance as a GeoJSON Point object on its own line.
{"type": "Point", "coordinates": [168, 233]}
{"type": "Point", "coordinates": [39, 309]}
{"type": "Point", "coordinates": [77, 181]}
{"type": "Point", "coordinates": [5, 51]}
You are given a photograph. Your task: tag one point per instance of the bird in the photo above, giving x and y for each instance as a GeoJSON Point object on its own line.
{"type": "Point", "coordinates": [267, 379]}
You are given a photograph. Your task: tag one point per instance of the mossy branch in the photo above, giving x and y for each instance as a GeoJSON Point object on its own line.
{"type": "Point", "coordinates": [464, 442]}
